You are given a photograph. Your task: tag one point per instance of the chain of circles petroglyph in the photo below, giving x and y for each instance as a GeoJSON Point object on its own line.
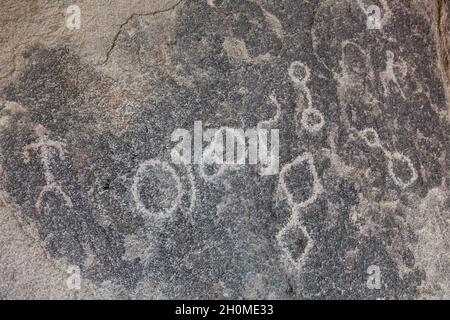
{"type": "Point", "coordinates": [294, 220]}
{"type": "Point", "coordinates": [300, 75]}
{"type": "Point", "coordinates": [312, 119]}
{"type": "Point", "coordinates": [370, 136]}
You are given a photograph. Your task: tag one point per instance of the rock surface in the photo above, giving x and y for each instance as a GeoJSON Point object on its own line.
{"type": "Point", "coordinates": [86, 177]}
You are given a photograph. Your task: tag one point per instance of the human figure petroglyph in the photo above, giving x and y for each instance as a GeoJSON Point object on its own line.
{"type": "Point", "coordinates": [294, 220]}
{"type": "Point", "coordinates": [387, 76]}
{"type": "Point", "coordinates": [312, 119]}
{"type": "Point", "coordinates": [370, 136]}
{"type": "Point", "coordinates": [44, 145]}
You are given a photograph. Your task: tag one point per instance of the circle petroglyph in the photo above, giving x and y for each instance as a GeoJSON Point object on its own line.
{"type": "Point", "coordinates": [371, 137]}
{"type": "Point", "coordinates": [299, 73]}
{"type": "Point", "coordinates": [157, 188]}
{"type": "Point", "coordinates": [312, 120]}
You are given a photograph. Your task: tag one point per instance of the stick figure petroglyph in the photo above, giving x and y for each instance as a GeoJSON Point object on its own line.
{"type": "Point", "coordinates": [370, 136]}
{"type": "Point", "coordinates": [387, 76]}
{"type": "Point", "coordinates": [44, 145]}
{"type": "Point", "coordinates": [294, 220]}
{"type": "Point", "coordinates": [312, 119]}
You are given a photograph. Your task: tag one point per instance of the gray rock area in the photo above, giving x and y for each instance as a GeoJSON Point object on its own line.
{"type": "Point", "coordinates": [92, 205]}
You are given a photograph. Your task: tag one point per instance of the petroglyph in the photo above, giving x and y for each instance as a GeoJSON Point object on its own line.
{"type": "Point", "coordinates": [267, 124]}
{"type": "Point", "coordinates": [370, 136]}
{"type": "Point", "coordinates": [236, 49]}
{"type": "Point", "coordinates": [356, 76]}
{"type": "Point", "coordinates": [387, 76]}
{"type": "Point", "coordinates": [308, 159]}
{"type": "Point", "coordinates": [397, 156]}
{"type": "Point", "coordinates": [355, 64]}
{"type": "Point", "coordinates": [162, 193]}
{"type": "Point", "coordinates": [294, 224]}
{"type": "Point", "coordinates": [43, 146]}
{"type": "Point", "coordinates": [300, 74]}
{"type": "Point", "coordinates": [274, 23]}
{"type": "Point", "coordinates": [312, 119]}
{"type": "Point", "coordinates": [288, 245]}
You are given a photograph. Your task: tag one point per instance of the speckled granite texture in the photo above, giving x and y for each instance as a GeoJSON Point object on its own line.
{"type": "Point", "coordinates": [87, 180]}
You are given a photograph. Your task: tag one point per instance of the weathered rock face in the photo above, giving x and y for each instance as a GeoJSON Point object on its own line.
{"type": "Point", "coordinates": [87, 178]}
